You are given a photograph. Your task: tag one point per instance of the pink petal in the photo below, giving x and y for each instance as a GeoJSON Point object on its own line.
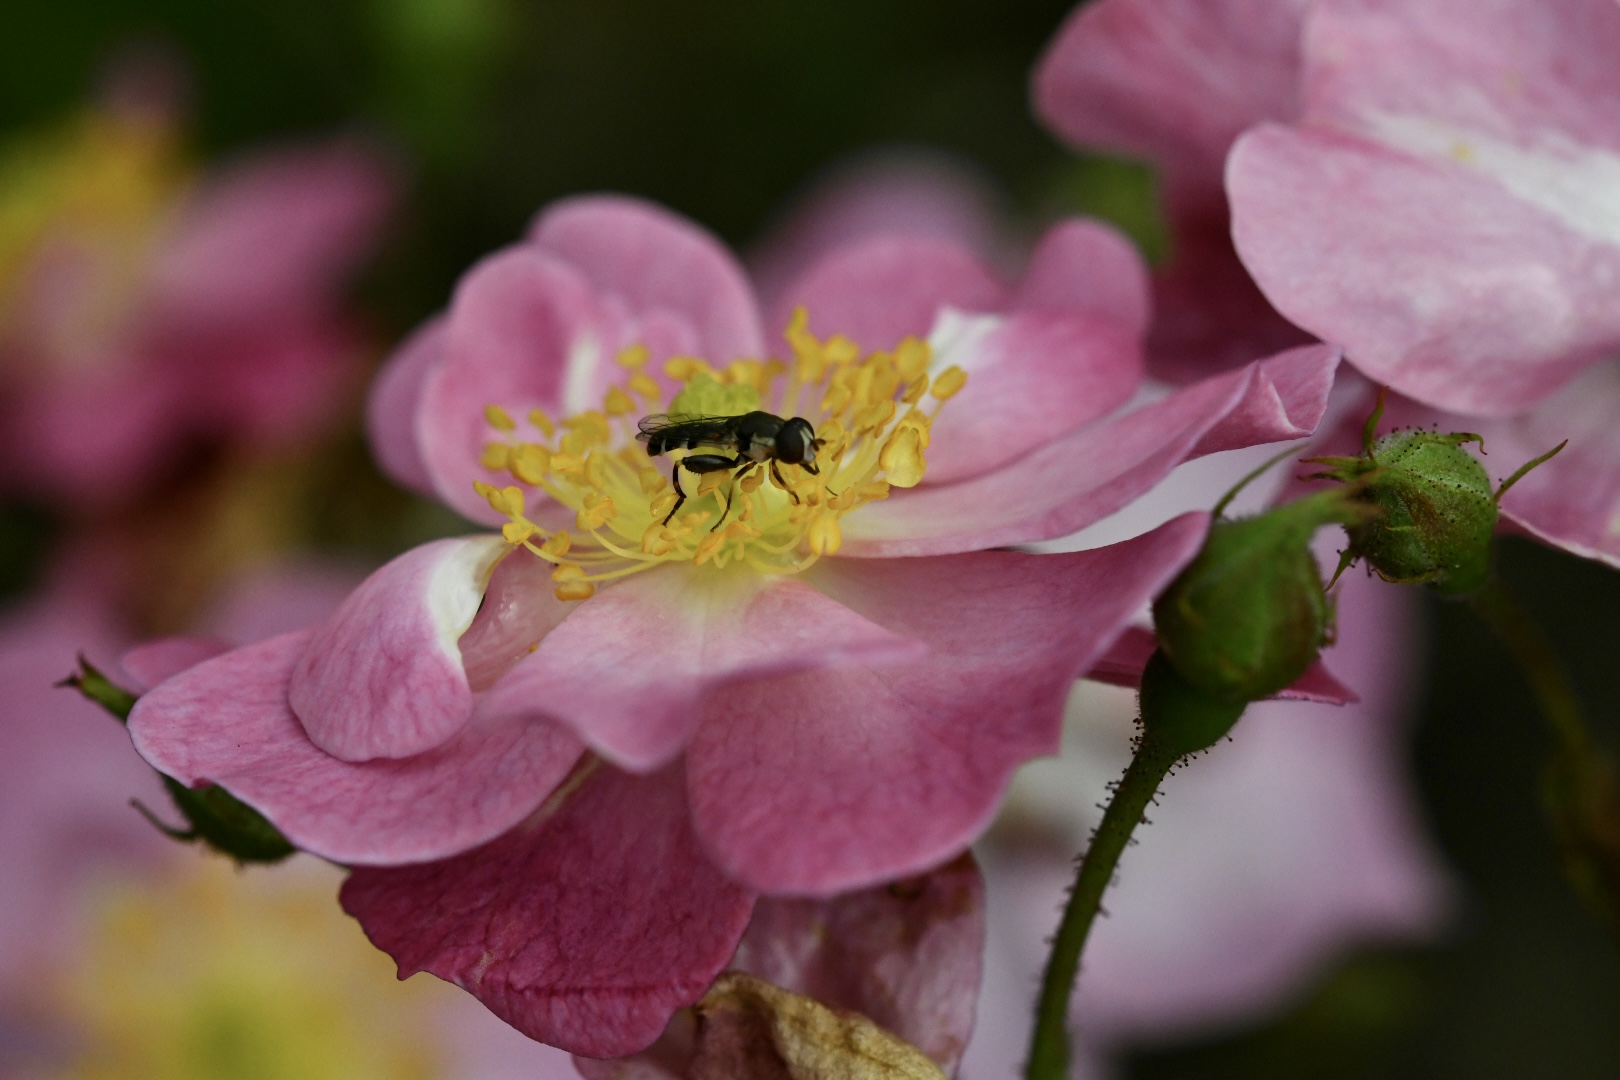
{"type": "Point", "coordinates": [585, 928]}
{"type": "Point", "coordinates": [227, 721]}
{"type": "Point", "coordinates": [885, 289]}
{"type": "Point", "coordinates": [520, 608]}
{"type": "Point", "coordinates": [282, 596]}
{"type": "Point", "coordinates": [383, 676]}
{"type": "Point", "coordinates": [653, 261]}
{"type": "Point", "coordinates": [1079, 479]}
{"type": "Point", "coordinates": [907, 955]}
{"type": "Point", "coordinates": [150, 663]}
{"type": "Point", "coordinates": [272, 233]}
{"type": "Point", "coordinates": [524, 328]}
{"type": "Point", "coordinates": [886, 193]}
{"type": "Point", "coordinates": [1171, 80]}
{"type": "Point", "coordinates": [1087, 266]}
{"type": "Point", "coordinates": [1471, 224]}
{"type": "Point", "coordinates": [1122, 665]}
{"type": "Point", "coordinates": [825, 781]}
{"type": "Point", "coordinates": [395, 402]}
{"type": "Point", "coordinates": [628, 671]}
{"type": "Point", "coordinates": [1036, 376]}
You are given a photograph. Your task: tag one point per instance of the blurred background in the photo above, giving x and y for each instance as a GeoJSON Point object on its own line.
{"type": "Point", "coordinates": [726, 110]}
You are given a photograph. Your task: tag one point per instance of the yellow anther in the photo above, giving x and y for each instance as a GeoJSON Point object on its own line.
{"type": "Point", "coordinates": [836, 399]}
{"type": "Point", "coordinates": [567, 572]}
{"type": "Point", "coordinates": [661, 506]}
{"type": "Point", "coordinates": [597, 511]}
{"type": "Point", "coordinates": [922, 423]}
{"type": "Point", "coordinates": [861, 391]}
{"type": "Point", "coordinates": [911, 357]}
{"type": "Point", "coordinates": [949, 383]}
{"type": "Point", "coordinates": [515, 532]}
{"type": "Point", "coordinates": [741, 530]}
{"type": "Point", "coordinates": [831, 431]}
{"type": "Point", "coordinates": [875, 416]}
{"type": "Point", "coordinates": [558, 545]}
{"type": "Point", "coordinates": [902, 458]}
{"type": "Point", "coordinates": [618, 403]}
{"type": "Point", "coordinates": [575, 590]}
{"type": "Point", "coordinates": [530, 462]}
{"type": "Point", "coordinates": [915, 389]}
{"type": "Point", "coordinates": [878, 489]}
{"type": "Point", "coordinates": [746, 373]}
{"type": "Point", "coordinates": [507, 501]}
{"type": "Point", "coordinates": [567, 463]}
{"type": "Point", "coordinates": [495, 456]}
{"type": "Point", "coordinates": [750, 483]}
{"type": "Point", "coordinates": [841, 350]}
{"type": "Point", "coordinates": [542, 422]}
{"type": "Point", "coordinates": [651, 481]}
{"type": "Point", "coordinates": [825, 537]}
{"type": "Point", "coordinates": [633, 357]}
{"type": "Point", "coordinates": [591, 426]}
{"type": "Point", "coordinates": [646, 386]}
{"type": "Point", "coordinates": [498, 418]}
{"type": "Point", "coordinates": [684, 367]}
{"type": "Point", "coordinates": [710, 481]}
{"type": "Point", "coordinates": [707, 547]}
{"type": "Point", "coordinates": [593, 471]}
{"type": "Point", "coordinates": [657, 540]}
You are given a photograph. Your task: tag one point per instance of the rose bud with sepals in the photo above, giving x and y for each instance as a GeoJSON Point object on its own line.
{"type": "Point", "coordinates": [1249, 614]}
{"type": "Point", "coordinates": [1436, 510]}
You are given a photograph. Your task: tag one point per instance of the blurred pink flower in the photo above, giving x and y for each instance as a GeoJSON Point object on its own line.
{"type": "Point", "coordinates": [760, 718]}
{"type": "Point", "coordinates": [1427, 183]}
{"type": "Point", "coordinates": [142, 312]}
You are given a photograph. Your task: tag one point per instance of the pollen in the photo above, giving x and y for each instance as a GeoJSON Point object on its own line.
{"type": "Point", "coordinates": [872, 413]}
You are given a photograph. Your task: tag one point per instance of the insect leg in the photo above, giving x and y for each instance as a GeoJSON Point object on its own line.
{"type": "Point", "coordinates": [783, 484]}
{"type": "Point", "coordinates": [747, 463]}
{"type": "Point", "coordinates": [675, 478]}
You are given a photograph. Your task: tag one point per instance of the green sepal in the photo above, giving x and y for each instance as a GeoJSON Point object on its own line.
{"type": "Point", "coordinates": [216, 817]}
{"type": "Point", "coordinates": [1249, 614]}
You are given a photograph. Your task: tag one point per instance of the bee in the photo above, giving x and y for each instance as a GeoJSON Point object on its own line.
{"type": "Point", "coordinates": [753, 439]}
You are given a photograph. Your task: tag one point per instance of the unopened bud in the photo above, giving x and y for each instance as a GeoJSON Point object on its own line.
{"type": "Point", "coordinates": [1249, 614]}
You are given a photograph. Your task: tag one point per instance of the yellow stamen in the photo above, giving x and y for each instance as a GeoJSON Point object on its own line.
{"type": "Point", "coordinates": [499, 418]}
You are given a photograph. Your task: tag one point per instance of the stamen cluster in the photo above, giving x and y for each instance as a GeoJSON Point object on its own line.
{"type": "Point", "coordinates": [867, 410]}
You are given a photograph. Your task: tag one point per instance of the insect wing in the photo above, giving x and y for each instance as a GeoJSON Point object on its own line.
{"type": "Point", "coordinates": [665, 431]}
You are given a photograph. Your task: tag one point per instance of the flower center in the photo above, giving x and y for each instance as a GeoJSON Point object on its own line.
{"type": "Point", "coordinates": [749, 500]}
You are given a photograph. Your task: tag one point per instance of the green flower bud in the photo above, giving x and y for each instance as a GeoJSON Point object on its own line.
{"type": "Point", "coordinates": [1249, 614]}
{"type": "Point", "coordinates": [1177, 718]}
{"type": "Point", "coordinates": [1435, 510]}
{"type": "Point", "coordinates": [217, 818]}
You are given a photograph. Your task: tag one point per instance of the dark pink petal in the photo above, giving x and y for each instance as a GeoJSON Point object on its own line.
{"type": "Point", "coordinates": [1471, 224]}
{"type": "Point", "coordinates": [888, 193]}
{"type": "Point", "coordinates": [585, 927]}
{"type": "Point", "coordinates": [227, 721]}
{"type": "Point", "coordinates": [383, 676]}
{"type": "Point", "coordinates": [654, 262]}
{"type": "Point", "coordinates": [150, 663]}
{"type": "Point", "coordinates": [906, 955]}
{"type": "Point", "coordinates": [883, 290]}
{"type": "Point", "coordinates": [520, 608]}
{"type": "Point", "coordinates": [629, 669]}
{"type": "Point", "coordinates": [1122, 665]}
{"type": "Point", "coordinates": [395, 402]}
{"type": "Point", "coordinates": [1079, 479]}
{"type": "Point", "coordinates": [826, 781]}
{"type": "Point", "coordinates": [1086, 266]}
{"type": "Point", "coordinates": [1171, 80]}
{"type": "Point", "coordinates": [273, 233]}
{"type": "Point", "coordinates": [1034, 376]}
{"type": "Point", "coordinates": [525, 330]}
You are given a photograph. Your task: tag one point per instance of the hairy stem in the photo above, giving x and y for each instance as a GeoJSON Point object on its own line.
{"type": "Point", "coordinates": [1049, 1049]}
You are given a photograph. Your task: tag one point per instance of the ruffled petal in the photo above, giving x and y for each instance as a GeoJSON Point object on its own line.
{"type": "Point", "coordinates": [382, 678]}
{"type": "Point", "coordinates": [906, 955]}
{"type": "Point", "coordinates": [585, 928]}
{"type": "Point", "coordinates": [1125, 659]}
{"type": "Point", "coordinates": [825, 781]}
{"type": "Point", "coordinates": [525, 331]}
{"type": "Point", "coordinates": [1086, 266]}
{"type": "Point", "coordinates": [1079, 479]}
{"type": "Point", "coordinates": [226, 721]}
{"type": "Point", "coordinates": [395, 401]}
{"type": "Point", "coordinates": [883, 290]}
{"type": "Point", "coordinates": [1171, 81]}
{"type": "Point", "coordinates": [629, 669]}
{"type": "Point", "coordinates": [1472, 226]}
{"type": "Point", "coordinates": [655, 262]}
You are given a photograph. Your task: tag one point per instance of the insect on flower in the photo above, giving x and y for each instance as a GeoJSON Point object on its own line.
{"type": "Point", "coordinates": [754, 438]}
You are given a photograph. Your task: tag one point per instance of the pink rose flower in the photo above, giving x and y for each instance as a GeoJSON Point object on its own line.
{"type": "Point", "coordinates": [142, 311]}
{"type": "Point", "coordinates": [1428, 183]}
{"type": "Point", "coordinates": [567, 757]}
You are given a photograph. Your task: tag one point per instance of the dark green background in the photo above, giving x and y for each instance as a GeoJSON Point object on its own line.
{"type": "Point", "coordinates": [723, 109]}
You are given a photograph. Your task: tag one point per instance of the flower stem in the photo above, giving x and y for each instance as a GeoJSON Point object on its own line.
{"type": "Point", "coordinates": [1049, 1049]}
